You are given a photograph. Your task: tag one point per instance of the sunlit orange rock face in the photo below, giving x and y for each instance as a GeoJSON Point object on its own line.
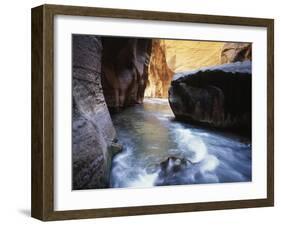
{"type": "Point", "coordinates": [184, 55]}
{"type": "Point", "coordinates": [159, 73]}
{"type": "Point", "coordinates": [171, 56]}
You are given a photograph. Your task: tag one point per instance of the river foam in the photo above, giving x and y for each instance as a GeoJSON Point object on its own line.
{"type": "Point", "coordinates": [149, 135]}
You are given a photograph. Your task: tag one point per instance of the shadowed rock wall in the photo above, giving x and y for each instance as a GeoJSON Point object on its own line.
{"type": "Point", "coordinates": [124, 70]}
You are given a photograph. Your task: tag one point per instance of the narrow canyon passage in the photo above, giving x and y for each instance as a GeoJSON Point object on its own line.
{"type": "Point", "coordinates": [123, 136]}
{"type": "Point", "coordinates": [157, 150]}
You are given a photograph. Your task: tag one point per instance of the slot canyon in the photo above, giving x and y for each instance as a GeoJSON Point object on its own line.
{"type": "Point", "coordinates": [142, 109]}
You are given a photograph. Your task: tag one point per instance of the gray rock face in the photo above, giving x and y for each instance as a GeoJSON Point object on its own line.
{"type": "Point", "coordinates": [93, 134]}
{"type": "Point", "coordinates": [216, 96]}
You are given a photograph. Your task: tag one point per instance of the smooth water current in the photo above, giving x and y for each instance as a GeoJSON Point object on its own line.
{"type": "Point", "coordinates": [149, 135]}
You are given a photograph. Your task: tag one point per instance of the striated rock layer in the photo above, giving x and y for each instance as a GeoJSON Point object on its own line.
{"type": "Point", "coordinates": [217, 96]}
{"type": "Point", "coordinates": [93, 134]}
{"type": "Point", "coordinates": [124, 70]}
{"type": "Point", "coordinates": [160, 75]}
{"type": "Point", "coordinates": [186, 55]}
{"type": "Point", "coordinates": [233, 52]}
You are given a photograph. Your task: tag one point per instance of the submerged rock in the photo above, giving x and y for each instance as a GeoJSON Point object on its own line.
{"type": "Point", "coordinates": [171, 170]}
{"type": "Point", "coordinates": [173, 164]}
{"type": "Point", "coordinates": [217, 96]}
{"type": "Point", "coordinates": [93, 134]}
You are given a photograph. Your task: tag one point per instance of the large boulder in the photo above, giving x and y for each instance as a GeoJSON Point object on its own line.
{"type": "Point", "coordinates": [160, 75]}
{"type": "Point", "coordinates": [93, 134]}
{"type": "Point", "coordinates": [233, 52]}
{"type": "Point", "coordinates": [124, 70]}
{"type": "Point", "coordinates": [217, 96]}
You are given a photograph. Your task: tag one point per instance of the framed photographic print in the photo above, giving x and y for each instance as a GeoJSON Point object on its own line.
{"type": "Point", "coordinates": [141, 112]}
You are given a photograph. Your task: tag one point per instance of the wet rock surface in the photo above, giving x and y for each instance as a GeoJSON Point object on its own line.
{"type": "Point", "coordinates": [217, 96]}
{"type": "Point", "coordinates": [93, 134]}
{"type": "Point", "coordinates": [173, 164]}
{"type": "Point", "coordinates": [171, 170]}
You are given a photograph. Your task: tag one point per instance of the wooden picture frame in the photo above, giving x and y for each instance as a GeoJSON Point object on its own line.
{"type": "Point", "coordinates": [43, 117]}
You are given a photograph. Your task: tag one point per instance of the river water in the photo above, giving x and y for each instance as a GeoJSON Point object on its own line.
{"type": "Point", "coordinates": [149, 135]}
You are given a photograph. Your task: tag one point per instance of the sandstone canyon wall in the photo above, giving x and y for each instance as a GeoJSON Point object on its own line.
{"type": "Point", "coordinates": [93, 134]}
{"type": "Point", "coordinates": [233, 52]}
{"type": "Point", "coordinates": [185, 55]}
{"type": "Point", "coordinates": [169, 56]}
{"type": "Point", "coordinates": [124, 70]}
{"type": "Point", "coordinates": [160, 75]}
